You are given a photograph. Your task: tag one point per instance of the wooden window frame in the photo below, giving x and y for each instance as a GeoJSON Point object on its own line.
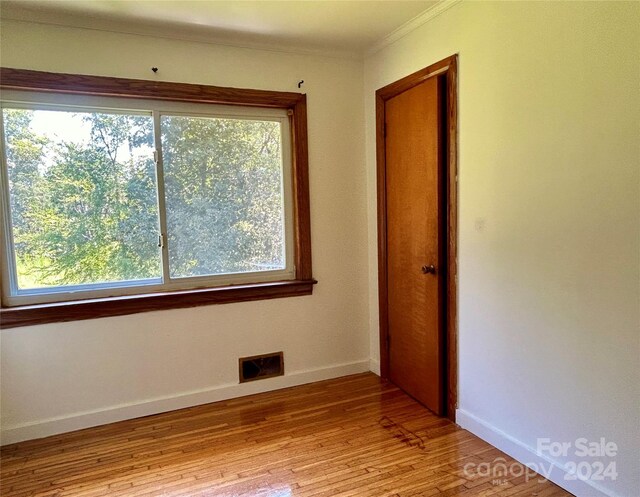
{"type": "Point", "coordinates": [296, 106]}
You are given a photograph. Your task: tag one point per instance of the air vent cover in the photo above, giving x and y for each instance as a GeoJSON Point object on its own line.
{"type": "Point", "coordinates": [261, 366]}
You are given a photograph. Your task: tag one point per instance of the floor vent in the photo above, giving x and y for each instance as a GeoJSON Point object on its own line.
{"type": "Point", "coordinates": [261, 366]}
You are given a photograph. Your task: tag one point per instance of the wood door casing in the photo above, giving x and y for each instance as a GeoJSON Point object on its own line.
{"type": "Point", "coordinates": [414, 203]}
{"type": "Point", "coordinates": [448, 69]}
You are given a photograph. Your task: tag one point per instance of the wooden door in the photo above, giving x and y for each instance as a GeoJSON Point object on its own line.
{"type": "Point", "coordinates": [415, 241]}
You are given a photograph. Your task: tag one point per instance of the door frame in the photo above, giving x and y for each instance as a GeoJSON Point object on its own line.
{"type": "Point", "coordinates": [449, 68]}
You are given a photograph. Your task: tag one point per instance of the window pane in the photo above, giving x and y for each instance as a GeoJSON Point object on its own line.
{"type": "Point", "coordinates": [224, 200]}
{"type": "Point", "coordinates": [82, 193]}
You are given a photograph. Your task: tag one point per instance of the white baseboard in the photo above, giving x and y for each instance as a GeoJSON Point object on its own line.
{"type": "Point", "coordinates": [374, 366]}
{"type": "Point", "coordinates": [527, 455]}
{"type": "Point", "coordinates": [78, 421]}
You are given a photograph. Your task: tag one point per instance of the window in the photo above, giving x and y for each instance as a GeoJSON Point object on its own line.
{"type": "Point", "coordinates": [105, 196]}
{"type": "Point", "coordinates": [103, 202]}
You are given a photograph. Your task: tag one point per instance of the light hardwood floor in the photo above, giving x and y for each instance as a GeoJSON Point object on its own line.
{"type": "Point", "coordinates": [353, 436]}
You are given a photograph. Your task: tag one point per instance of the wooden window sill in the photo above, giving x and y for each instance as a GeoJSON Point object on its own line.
{"type": "Point", "coordinates": [28, 315]}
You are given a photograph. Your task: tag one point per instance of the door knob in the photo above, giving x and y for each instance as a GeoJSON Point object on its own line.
{"type": "Point", "coordinates": [431, 269]}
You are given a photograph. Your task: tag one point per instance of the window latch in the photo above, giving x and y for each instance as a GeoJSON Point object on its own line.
{"type": "Point", "coordinates": [161, 240]}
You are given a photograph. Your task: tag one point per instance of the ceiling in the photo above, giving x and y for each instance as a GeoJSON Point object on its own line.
{"type": "Point", "coordinates": [347, 28]}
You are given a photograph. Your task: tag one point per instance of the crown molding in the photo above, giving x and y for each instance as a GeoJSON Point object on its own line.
{"type": "Point", "coordinates": [411, 25]}
{"type": "Point", "coordinates": [20, 14]}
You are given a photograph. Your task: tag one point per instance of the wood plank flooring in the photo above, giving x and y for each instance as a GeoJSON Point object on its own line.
{"type": "Point", "coordinates": [352, 436]}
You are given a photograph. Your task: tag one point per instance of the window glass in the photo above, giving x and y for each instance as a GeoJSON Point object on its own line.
{"type": "Point", "coordinates": [83, 197]}
{"type": "Point", "coordinates": [103, 200]}
{"type": "Point", "coordinates": [224, 195]}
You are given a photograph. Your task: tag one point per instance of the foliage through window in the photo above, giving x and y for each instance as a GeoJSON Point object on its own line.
{"type": "Point", "coordinates": [112, 197]}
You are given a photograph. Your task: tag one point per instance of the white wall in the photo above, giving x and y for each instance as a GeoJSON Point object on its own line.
{"type": "Point", "coordinates": [61, 376]}
{"type": "Point", "coordinates": [549, 324]}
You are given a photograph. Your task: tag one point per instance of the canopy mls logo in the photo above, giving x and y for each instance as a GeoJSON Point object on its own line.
{"type": "Point", "coordinates": [586, 461]}
{"type": "Point", "coordinates": [500, 472]}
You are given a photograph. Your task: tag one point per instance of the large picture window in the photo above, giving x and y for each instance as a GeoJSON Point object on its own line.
{"type": "Point", "coordinates": [105, 196]}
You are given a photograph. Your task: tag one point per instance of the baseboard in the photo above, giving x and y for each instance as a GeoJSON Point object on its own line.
{"type": "Point", "coordinates": [78, 421]}
{"type": "Point", "coordinates": [374, 366]}
{"type": "Point", "coordinates": [527, 455]}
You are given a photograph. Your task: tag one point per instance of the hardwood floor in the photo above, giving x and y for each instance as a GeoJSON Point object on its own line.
{"type": "Point", "coordinates": [353, 436]}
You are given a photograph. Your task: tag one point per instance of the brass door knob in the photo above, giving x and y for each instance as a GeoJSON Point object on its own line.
{"type": "Point", "coordinates": [429, 269]}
